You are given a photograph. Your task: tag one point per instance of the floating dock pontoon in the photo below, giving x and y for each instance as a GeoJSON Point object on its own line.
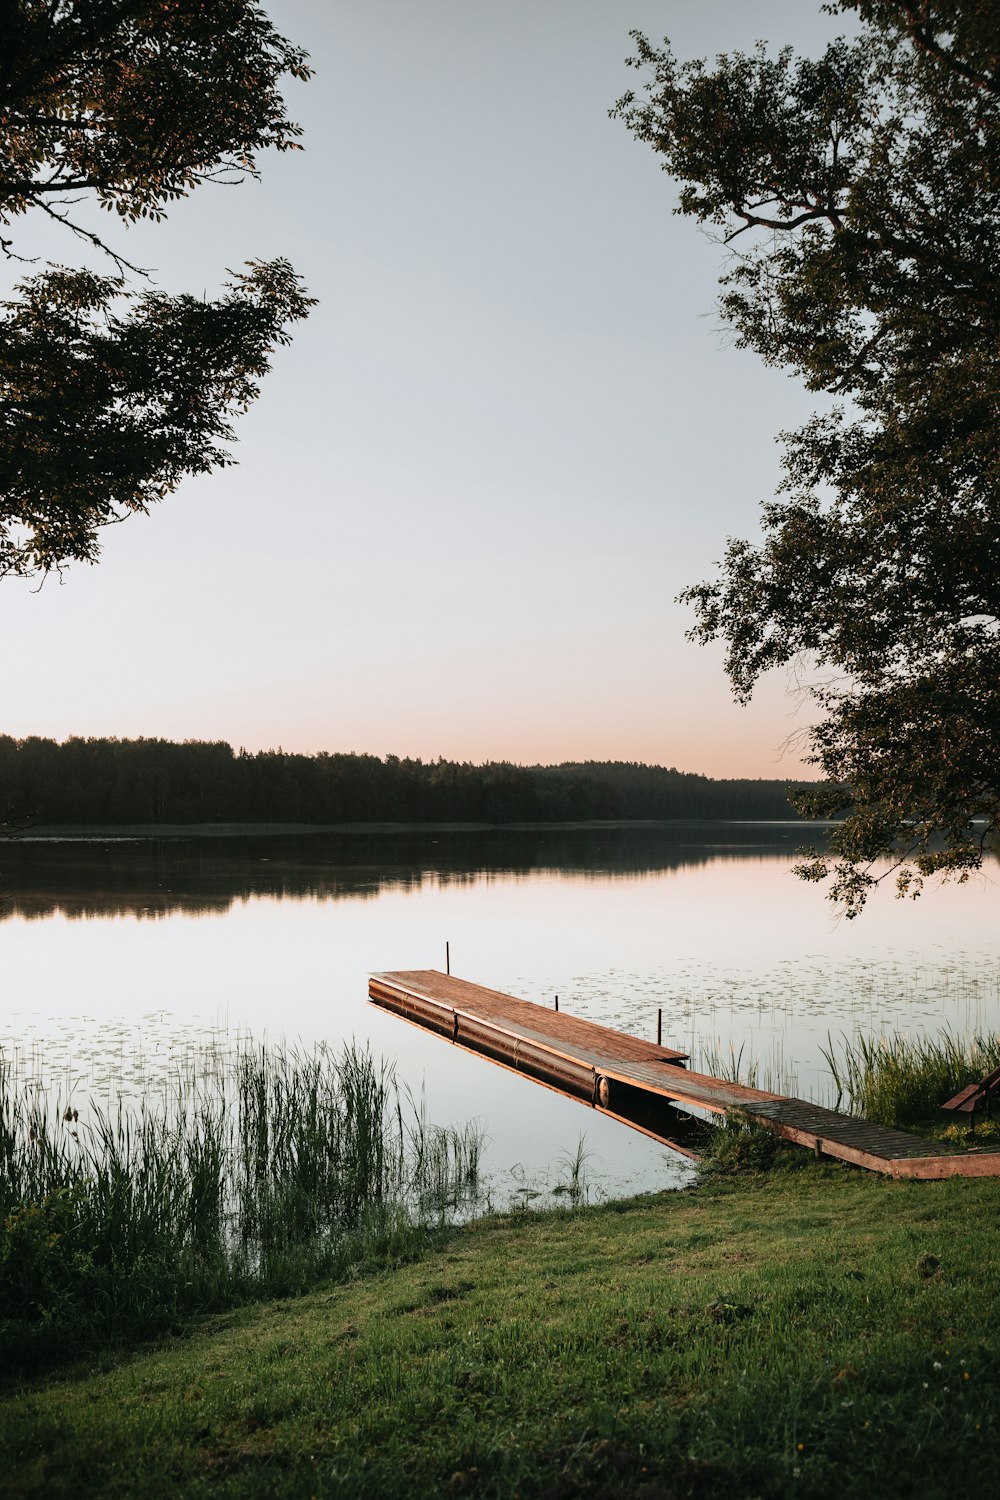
{"type": "Point", "coordinates": [642, 1084]}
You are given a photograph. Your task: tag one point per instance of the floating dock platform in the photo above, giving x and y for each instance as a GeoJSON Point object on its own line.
{"type": "Point", "coordinates": [644, 1085]}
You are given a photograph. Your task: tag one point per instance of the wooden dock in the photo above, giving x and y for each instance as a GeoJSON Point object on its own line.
{"type": "Point", "coordinates": [642, 1084]}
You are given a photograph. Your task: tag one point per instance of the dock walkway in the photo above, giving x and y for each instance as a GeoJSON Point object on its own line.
{"type": "Point", "coordinates": [642, 1084]}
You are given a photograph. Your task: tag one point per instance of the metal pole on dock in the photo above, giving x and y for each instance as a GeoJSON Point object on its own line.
{"type": "Point", "coordinates": [447, 958]}
{"type": "Point", "coordinates": [659, 1027]}
{"type": "Point", "coordinates": [557, 1002]}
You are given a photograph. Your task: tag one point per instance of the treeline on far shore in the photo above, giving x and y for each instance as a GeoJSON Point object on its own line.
{"type": "Point", "coordinates": [95, 781]}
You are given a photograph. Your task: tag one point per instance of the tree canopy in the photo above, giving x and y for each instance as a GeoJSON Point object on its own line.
{"type": "Point", "coordinates": [111, 392]}
{"type": "Point", "coordinates": [859, 195]}
{"type": "Point", "coordinates": [102, 781]}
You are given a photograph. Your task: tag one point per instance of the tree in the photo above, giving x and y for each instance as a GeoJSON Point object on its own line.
{"type": "Point", "coordinates": [109, 395]}
{"type": "Point", "coordinates": [859, 194]}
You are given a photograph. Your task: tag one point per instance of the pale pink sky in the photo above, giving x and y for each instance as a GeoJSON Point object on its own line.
{"type": "Point", "coordinates": [507, 437]}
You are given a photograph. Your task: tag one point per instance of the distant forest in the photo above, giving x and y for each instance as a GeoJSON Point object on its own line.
{"type": "Point", "coordinates": [95, 781]}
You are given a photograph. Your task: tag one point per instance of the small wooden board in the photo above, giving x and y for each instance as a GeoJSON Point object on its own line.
{"type": "Point", "coordinates": [974, 1095]}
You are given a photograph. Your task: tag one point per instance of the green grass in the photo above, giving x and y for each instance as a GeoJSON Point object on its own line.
{"type": "Point", "coordinates": [818, 1332]}
{"type": "Point", "coordinates": [901, 1080]}
{"type": "Point", "coordinates": [788, 1327]}
{"type": "Point", "coordinates": [261, 1170]}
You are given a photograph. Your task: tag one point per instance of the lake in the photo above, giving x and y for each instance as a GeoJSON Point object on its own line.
{"type": "Point", "coordinates": [121, 957]}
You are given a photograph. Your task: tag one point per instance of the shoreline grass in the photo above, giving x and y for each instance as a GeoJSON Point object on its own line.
{"type": "Point", "coordinates": [786, 1327]}
{"type": "Point", "coordinates": [259, 1170]}
{"type": "Point", "coordinates": [263, 1171]}
{"type": "Point", "coordinates": [818, 1332]}
{"type": "Point", "coordinates": [902, 1081]}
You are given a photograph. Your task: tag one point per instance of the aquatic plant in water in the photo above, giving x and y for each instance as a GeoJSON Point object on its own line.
{"type": "Point", "coordinates": [574, 1164]}
{"type": "Point", "coordinates": [261, 1168]}
{"type": "Point", "coordinates": [903, 1080]}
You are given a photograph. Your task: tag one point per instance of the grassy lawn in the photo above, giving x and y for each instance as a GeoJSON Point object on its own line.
{"type": "Point", "coordinates": [811, 1330]}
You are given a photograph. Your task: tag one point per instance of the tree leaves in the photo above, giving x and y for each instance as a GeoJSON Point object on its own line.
{"type": "Point", "coordinates": [871, 178]}
{"type": "Point", "coordinates": [137, 101]}
{"type": "Point", "coordinates": [108, 396]}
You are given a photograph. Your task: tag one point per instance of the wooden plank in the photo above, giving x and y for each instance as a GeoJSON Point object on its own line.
{"type": "Point", "coordinates": [514, 1060]}
{"type": "Point", "coordinates": [688, 1087]}
{"type": "Point", "coordinates": [965, 1100]}
{"type": "Point", "coordinates": [613, 1054]}
{"type": "Point", "coordinates": [973, 1095]}
{"type": "Point", "coordinates": [850, 1130]}
{"type": "Point", "coordinates": [825, 1146]}
{"type": "Point", "coordinates": [563, 1032]}
{"type": "Point", "coordinates": [623, 1076]}
{"type": "Point", "coordinates": [961, 1164]}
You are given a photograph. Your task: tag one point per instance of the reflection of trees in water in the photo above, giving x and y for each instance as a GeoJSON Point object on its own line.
{"type": "Point", "coordinates": [153, 878]}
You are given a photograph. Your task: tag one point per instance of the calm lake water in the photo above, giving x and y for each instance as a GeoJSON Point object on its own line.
{"type": "Point", "coordinates": [121, 957]}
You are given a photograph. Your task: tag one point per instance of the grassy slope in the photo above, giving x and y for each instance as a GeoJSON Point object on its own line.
{"type": "Point", "coordinates": [772, 1335]}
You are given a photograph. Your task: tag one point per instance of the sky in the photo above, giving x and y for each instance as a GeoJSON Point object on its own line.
{"type": "Point", "coordinates": [513, 429]}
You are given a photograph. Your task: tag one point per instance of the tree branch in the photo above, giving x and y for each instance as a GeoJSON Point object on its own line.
{"type": "Point", "coordinates": [926, 42]}
{"type": "Point", "coordinates": [29, 188]}
{"type": "Point", "coordinates": [93, 239]}
{"type": "Point", "coordinates": [756, 221]}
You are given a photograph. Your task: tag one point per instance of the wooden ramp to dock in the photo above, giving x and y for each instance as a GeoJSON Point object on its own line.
{"type": "Point", "coordinates": [641, 1083]}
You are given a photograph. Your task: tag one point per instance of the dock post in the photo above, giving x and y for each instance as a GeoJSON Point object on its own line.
{"type": "Point", "coordinates": [447, 958]}
{"type": "Point", "coordinates": [659, 1027]}
{"type": "Point", "coordinates": [557, 1002]}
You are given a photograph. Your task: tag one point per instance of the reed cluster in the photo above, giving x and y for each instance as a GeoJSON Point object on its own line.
{"type": "Point", "coordinates": [261, 1171]}
{"type": "Point", "coordinates": [774, 1074]}
{"type": "Point", "coordinates": [904, 1080]}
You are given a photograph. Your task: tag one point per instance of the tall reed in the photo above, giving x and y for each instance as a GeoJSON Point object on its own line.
{"type": "Point", "coordinates": [574, 1164]}
{"type": "Point", "coordinates": [903, 1080]}
{"type": "Point", "coordinates": [263, 1174]}
{"type": "Point", "coordinates": [444, 1159]}
{"type": "Point", "coordinates": [773, 1075]}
